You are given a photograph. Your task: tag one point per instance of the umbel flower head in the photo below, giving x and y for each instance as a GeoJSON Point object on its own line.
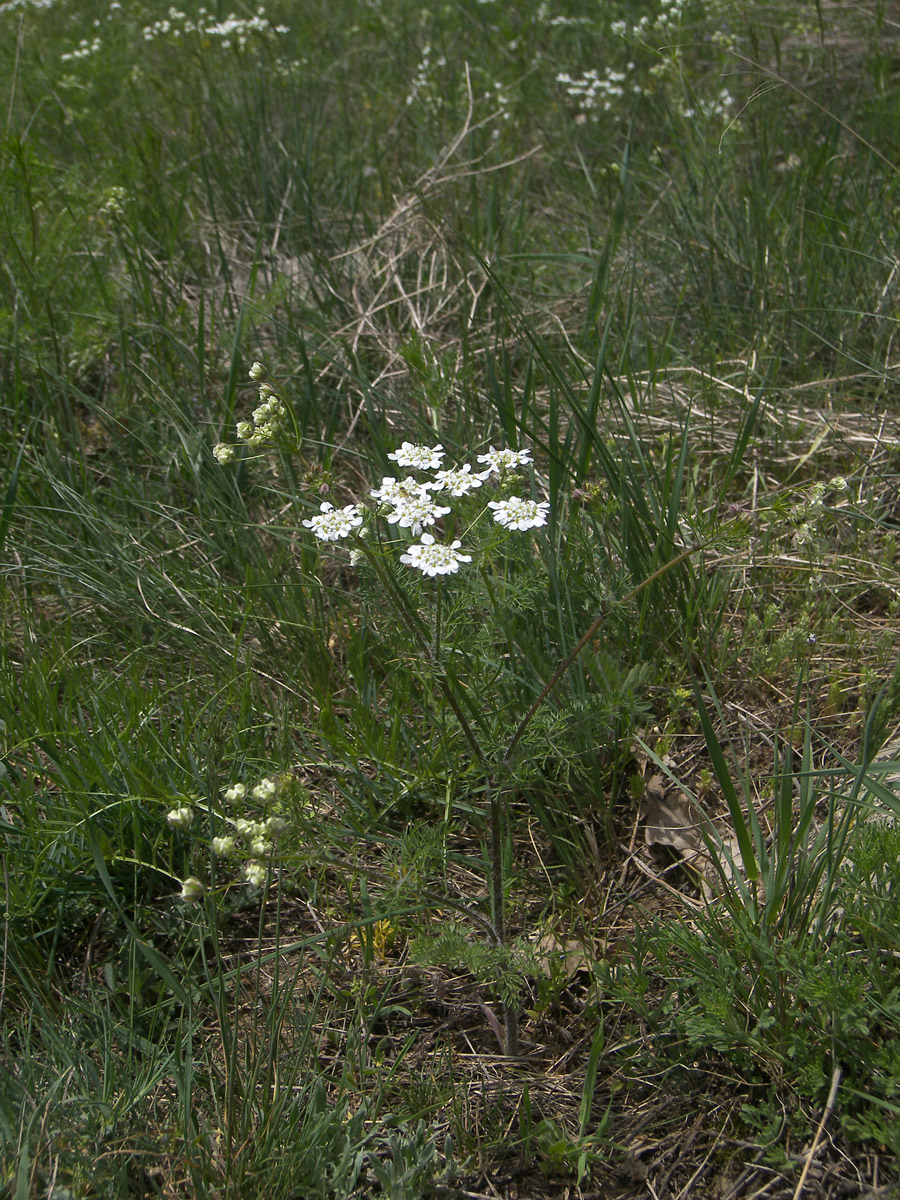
{"type": "Point", "coordinates": [333, 523]}
{"type": "Point", "coordinates": [435, 558]}
{"type": "Point", "coordinates": [415, 512]}
{"type": "Point", "coordinates": [518, 513]}
{"type": "Point", "coordinates": [423, 458]}
{"type": "Point", "coordinates": [500, 461]}
{"type": "Point", "coordinates": [457, 481]}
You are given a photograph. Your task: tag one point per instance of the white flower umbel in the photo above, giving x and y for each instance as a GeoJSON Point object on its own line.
{"type": "Point", "coordinates": [223, 453]}
{"type": "Point", "coordinates": [435, 558]}
{"type": "Point", "coordinates": [457, 481]}
{"type": "Point", "coordinates": [422, 458]}
{"type": "Point", "coordinates": [180, 818]}
{"type": "Point", "coordinates": [334, 523]}
{"type": "Point", "coordinates": [224, 847]}
{"type": "Point", "coordinates": [499, 461]}
{"type": "Point", "coordinates": [236, 792]}
{"type": "Point", "coordinates": [517, 513]}
{"type": "Point", "coordinates": [415, 513]}
{"type": "Point", "coordinates": [393, 491]}
{"type": "Point", "coordinates": [258, 372]}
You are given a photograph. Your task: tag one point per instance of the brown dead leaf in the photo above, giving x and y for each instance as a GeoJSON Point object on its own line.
{"type": "Point", "coordinates": [551, 954]}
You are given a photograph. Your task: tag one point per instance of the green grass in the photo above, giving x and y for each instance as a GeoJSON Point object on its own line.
{"type": "Point", "coordinates": [653, 245]}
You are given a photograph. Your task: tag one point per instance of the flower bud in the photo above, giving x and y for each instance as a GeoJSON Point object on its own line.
{"type": "Point", "coordinates": [224, 847]}
{"type": "Point", "coordinates": [180, 818]}
{"type": "Point", "coordinates": [258, 372]}
{"type": "Point", "coordinates": [264, 790]}
{"type": "Point", "coordinates": [223, 453]}
{"type": "Point", "coordinates": [192, 890]}
{"type": "Point", "coordinates": [255, 874]}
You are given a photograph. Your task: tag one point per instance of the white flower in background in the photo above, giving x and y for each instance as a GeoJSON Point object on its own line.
{"type": "Point", "coordinates": [181, 818]}
{"type": "Point", "coordinates": [255, 873]}
{"type": "Point", "coordinates": [392, 491]}
{"type": "Point", "coordinates": [192, 890]}
{"type": "Point", "coordinates": [260, 848]}
{"type": "Point", "coordinates": [275, 826]}
{"type": "Point", "coordinates": [245, 828]}
{"type": "Point", "coordinates": [236, 792]}
{"type": "Point", "coordinates": [517, 513]}
{"type": "Point", "coordinates": [422, 458]}
{"type": "Point", "coordinates": [415, 513]}
{"type": "Point", "coordinates": [333, 523]}
{"type": "Point", "coordinates": [223, 453]}
{"type": "Point", "coordinates": [224, 847]}
{"type": "Point", "coordinates": [435, 558]}
{"type": "Point", "coordinates": [457, 481]}
{"type": "Point", "coordinates": [244, 430]}
{"type": "Point", "coordinates": [839, 484]}
{"type": "Point", "coordinates": [258, 372]}
{"type": "Point", "coordinates": [499, 461]}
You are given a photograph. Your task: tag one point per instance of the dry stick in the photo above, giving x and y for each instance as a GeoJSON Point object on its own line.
{"type": "Point", "coordinates": [829, 1105]}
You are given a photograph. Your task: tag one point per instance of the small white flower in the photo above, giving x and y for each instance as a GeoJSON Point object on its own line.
{"type": "Point", "coordinates": [258, 372]}
{"type": "Point", "coordinates": [265, 790]}
{"type": "Point", "coordinates": [223, 453]}
{"type": "Point", "coordinates": [181, 818]}
{"type": "Point", "coordinates": [839, 484]}
{"type": "Point", "coordinates": [236, 792]}
{"type": "Point", "coordinates": [499, 461]}
{"type": "Point", "coordinates": [333, 523]}
{"type": "Point", "coordinates": [260, 848]}
{"type": "Point", "coordinates": [517, 513]}
{"type": "Point", "coordinates": [224, 847]}
{"type": "Point", "coordinates": [392, 491]}
{"type": "Point", "coordinates": [255, 873]}
{"type": "Point", "coordinates": [244, 431]}
{"type": "Point", "coordinates": [275, 826]}
{"type": "Point", "coordinates": [422, 458]}
{"type": "Point", "coordinates": [457, 481]}
{"type": "Point", "coordinates": [415, 513]}
{"type": "Point", "coordinates": [192, 889]}
{"type": "Point", "coordinates": [435, 558]}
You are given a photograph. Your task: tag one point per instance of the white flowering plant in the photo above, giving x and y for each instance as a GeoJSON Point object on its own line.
{"type": "Point", "coordinates": [450, 562]}
{"type": "Point", "coordinates": [246, 823]}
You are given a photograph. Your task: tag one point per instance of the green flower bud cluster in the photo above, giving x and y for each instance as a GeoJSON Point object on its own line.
{"type": "Point", "coordinates": [252, 838]}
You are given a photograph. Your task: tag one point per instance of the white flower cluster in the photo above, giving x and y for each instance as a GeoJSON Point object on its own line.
{"type": "Point", "coordinates": [232, 31]}
{"type": "Point", "coordinates": [268, 423]}
{"type": "Point", "coordinates": [411, 504]}
{"type": "Point", "coordinates": [252, 838]}
{"type": "Point", "coordinates": [422, 84]}
{"type": "Point", "coordinates": [84, 49]}
{"type": "Point", "coordinates": [593, 91]}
